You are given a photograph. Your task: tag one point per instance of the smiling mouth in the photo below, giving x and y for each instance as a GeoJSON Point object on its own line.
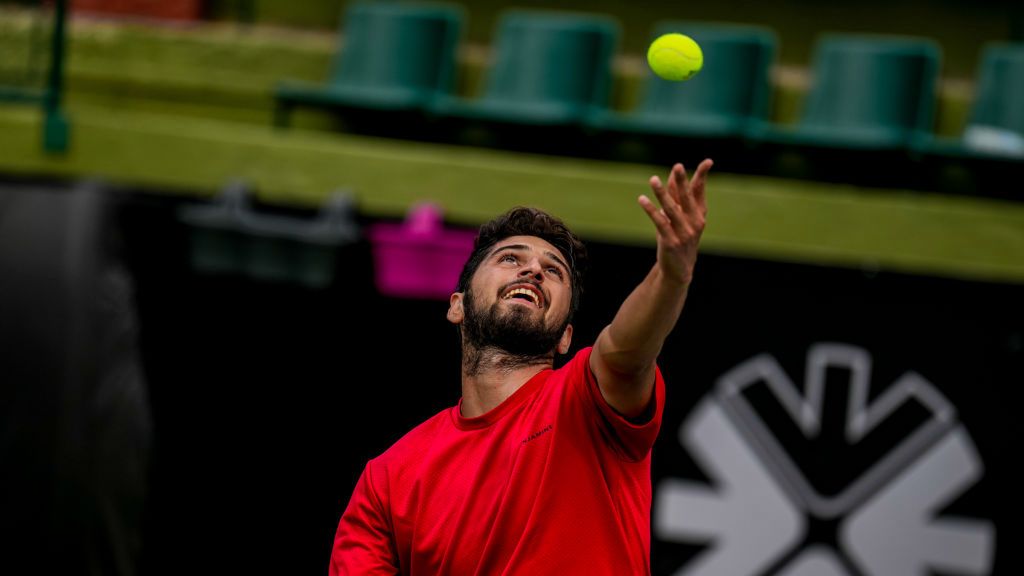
{"type": "Point", "coordinates": [523, 294]}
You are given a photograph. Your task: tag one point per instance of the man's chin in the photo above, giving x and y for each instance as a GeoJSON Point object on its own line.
{"type": "Point", "coordinates": [517, 328]}
{"type": "Point", "coordinates": [524, 322]}
{"type": "Point", "coordinates": [518, 311]}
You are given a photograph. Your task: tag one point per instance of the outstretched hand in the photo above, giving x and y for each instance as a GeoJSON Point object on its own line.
{"type": "Point", "coordinates": [680, 220]}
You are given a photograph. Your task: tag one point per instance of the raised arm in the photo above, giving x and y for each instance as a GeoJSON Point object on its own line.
{"type": "Point", "coordinates": [623, 359]}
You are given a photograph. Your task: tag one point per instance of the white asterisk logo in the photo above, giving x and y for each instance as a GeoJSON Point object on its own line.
{"type": "Point", "coordinates": [756, 511]}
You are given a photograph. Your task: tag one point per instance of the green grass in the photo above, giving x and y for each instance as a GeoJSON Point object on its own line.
{"type": "Point", "coordinates": [207, 70]}
{"type": "Point", "coordinates": [753, 217]}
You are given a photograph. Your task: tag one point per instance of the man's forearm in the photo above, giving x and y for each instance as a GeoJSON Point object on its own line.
{"type": "Point", "coordinates": [624, 355]}
{"type": "Point", "coordinates": [633, 340]}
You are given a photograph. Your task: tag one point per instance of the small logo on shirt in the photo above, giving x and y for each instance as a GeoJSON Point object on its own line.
{"type": "Point", "coordinates": [537, 434]}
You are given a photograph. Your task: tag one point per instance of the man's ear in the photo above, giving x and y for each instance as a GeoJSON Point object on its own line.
{"type": "Point", "coordinates": [565, 340]}
{"type": "Point", "coordinates": [455, 312]}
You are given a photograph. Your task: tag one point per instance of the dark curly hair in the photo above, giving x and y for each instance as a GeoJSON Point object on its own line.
{"type": "Point", "coordinates": [524, 221]}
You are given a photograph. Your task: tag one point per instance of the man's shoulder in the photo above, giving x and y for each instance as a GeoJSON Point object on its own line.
{"type": "Point", "coordinates": [577, 367]}
{"type": "Point", "coordinates": [415, 441]}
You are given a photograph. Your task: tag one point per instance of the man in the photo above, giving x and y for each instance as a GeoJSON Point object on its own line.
{"type": "Point", "coordinates": [536, 471]}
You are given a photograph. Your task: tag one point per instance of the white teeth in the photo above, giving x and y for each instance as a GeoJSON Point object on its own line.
{"type": "Point", "coordinates": [533, 296]}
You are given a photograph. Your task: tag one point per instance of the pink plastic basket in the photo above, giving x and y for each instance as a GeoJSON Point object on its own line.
{"type": "Point", "coordinates": [419, 258]}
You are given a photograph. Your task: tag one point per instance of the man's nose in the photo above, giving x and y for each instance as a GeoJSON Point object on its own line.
{"type": "Point", "coordinates": [532, 268]}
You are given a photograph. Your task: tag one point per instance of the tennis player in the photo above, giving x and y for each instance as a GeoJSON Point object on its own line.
{"type": "Point", "coordinates": [536, 471]}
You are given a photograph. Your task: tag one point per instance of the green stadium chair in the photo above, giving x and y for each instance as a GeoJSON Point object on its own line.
{"type": "Point", "coordinates": [995, 128]}
{"type": "Point", "coordinates": [731, 91]}
{"type": "Point", "coordinates": [868, 93]}
{"type": "Point", "coordinates": [395, 57]}
{"type": "Point", "coordinates": [987, 158]}
{"type": "Point", "coordinates": [549, 68]}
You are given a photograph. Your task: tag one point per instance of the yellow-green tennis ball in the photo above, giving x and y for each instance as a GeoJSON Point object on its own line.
{"type": "Point", "coordinates": [675, 57]}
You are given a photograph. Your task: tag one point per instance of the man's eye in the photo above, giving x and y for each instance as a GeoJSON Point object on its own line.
{"type": "Point", "coordinates": [555, 271]}
{"type": "Point", "coordinates": [508, 258]}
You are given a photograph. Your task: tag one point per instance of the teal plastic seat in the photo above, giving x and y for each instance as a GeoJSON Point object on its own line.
{"type": "Point", "coordinates": [395, 57]}
{"type": "Point", "coordinates": [549, 68]}
{"type": "Point", "coordinates": [868, 93]}
{"type": "Point", "coordinates": [731, 91]}
{"type": "Point", "coordinates": [995, 127]}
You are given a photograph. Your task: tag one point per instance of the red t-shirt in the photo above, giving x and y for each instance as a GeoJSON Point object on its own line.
{"type": "Point", "coordinates": [551, 481]}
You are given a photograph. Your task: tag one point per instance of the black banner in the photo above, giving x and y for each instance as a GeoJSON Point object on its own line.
{"type": "Point", "coordinates": [819, 422]}
{"type": "Point", "coordinates": [839, 422]}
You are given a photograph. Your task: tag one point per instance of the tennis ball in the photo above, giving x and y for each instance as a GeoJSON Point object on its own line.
{"type": "Point", "coordinates": [675, 57]}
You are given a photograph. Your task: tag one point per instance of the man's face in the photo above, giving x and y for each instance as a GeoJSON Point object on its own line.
{"type": "Point", "coordinates": [518, 299]}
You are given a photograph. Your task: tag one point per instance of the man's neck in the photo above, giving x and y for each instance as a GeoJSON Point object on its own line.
{"type": "Point", "coordinates": [490, 376]}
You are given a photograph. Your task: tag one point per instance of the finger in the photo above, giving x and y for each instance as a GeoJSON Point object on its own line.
{"type": "Point", "coordinates": [681, 175]}
{"type": "Point", "coordinates": [698, 184]}
{"type": "Point", "coordinates": [678, 181]}
{"type": "Point", "coordinates": [658, 217]}
{"type": "Point", "coordinates": [668, 204]}
{"type": "Point", "coordinates": [682, 180]}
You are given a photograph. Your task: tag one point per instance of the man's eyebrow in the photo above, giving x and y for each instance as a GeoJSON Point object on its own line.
{"type": "Point", "coordinates": [508, 247]}
{"type": "Point", "coordinates": [547, 253]}
{"type": "Point", "coordinates": [555, 257]}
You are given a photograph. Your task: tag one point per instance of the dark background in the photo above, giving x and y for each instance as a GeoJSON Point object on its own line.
{"type": "Point", "coordinates": [268, 398]}
{"type": "Point", "coordinates": [260, 402]}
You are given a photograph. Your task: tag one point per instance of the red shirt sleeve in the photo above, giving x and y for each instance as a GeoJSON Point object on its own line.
{"type": "Point", "coordinates": [364, 542]}
{"type": "Point", "coordinates": [631, 439]}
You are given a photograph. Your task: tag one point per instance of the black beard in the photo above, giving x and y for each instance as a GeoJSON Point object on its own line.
{"type": "Point", "coordinates": [520, 340]}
